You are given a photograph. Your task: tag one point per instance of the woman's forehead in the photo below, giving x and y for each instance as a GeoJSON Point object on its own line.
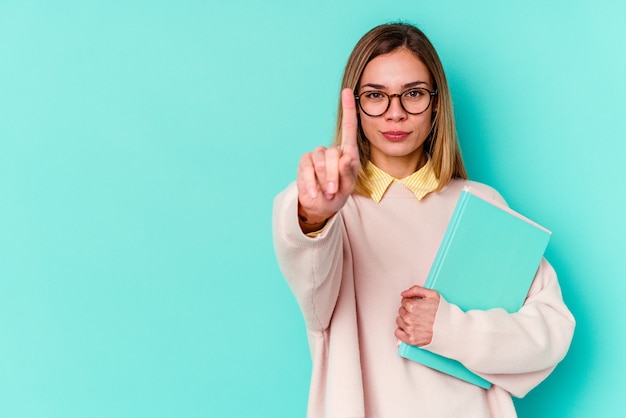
{"type": "Point", "coordinates": [396, 69]}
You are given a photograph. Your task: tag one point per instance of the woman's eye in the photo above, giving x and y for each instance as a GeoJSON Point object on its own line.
{"type": "Point", "coordinates": [374, 95]}
{"type": "Point", "coordinates": [413, 94]}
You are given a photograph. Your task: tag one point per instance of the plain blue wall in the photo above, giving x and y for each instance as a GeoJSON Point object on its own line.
{"type": "Point", "coordinates": [141, 145]}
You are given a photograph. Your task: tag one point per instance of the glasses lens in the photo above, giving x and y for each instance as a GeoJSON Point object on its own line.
{"type": "Point", "coordinates": [415, 100]}
{"type": "Point", "coordinates": [374, 103]}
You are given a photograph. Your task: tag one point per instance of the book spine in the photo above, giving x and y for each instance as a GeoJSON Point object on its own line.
{"type": "Point", "coordinates": [442, 364]}
{"type": "Point", "coordinates": [447, 240]}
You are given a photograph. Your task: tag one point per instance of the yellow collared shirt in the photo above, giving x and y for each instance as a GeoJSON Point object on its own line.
{"type": "Point", "coordinates": [422, 182]}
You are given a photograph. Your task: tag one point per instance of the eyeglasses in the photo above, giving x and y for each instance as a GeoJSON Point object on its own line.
{"type": "Point", "coordinates": [414, 101]}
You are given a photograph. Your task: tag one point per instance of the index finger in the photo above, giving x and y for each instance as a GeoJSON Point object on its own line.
{"type": "Point", "coordinates": [349, 123]}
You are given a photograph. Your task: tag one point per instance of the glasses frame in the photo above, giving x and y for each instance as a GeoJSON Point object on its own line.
{"type": "Point", "coordinates": [431, 94]}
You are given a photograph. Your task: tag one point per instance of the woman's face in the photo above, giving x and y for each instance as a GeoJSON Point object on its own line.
{"type": "Point", "coordinates": [396, 137]}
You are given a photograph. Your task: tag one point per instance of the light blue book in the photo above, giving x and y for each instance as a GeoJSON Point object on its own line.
{"type": "Point", "coordinates": [487, 259]}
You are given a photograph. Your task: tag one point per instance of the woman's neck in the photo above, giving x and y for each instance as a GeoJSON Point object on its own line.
{"type": "Point", "coordinates": [400, 167]}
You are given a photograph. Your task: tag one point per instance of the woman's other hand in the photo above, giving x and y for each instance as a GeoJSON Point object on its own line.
{"type": "Point", "coordinates": [417, 312]}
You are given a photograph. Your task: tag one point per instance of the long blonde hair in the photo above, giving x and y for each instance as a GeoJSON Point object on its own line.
{"type": "Point", "coordinates": [442, 144]}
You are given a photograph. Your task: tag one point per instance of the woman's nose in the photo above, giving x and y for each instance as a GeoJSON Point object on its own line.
{"type": "Point", "coordinates": [395, 111]}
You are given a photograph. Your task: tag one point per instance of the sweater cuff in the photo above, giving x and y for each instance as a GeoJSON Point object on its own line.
{"type": "Point", "coordinates": [448, 325]}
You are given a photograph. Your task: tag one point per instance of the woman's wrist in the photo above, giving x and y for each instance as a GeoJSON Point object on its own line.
{"type": "Point", "coordinates": [310, 223]}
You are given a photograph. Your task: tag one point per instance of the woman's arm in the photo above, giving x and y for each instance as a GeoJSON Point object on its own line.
{"type": "Point", "coordinates": [311, 265]}
{"type": "Point", "coordinates": [325, 181]}
{"type": "Point", "coordinates": [514, 351]}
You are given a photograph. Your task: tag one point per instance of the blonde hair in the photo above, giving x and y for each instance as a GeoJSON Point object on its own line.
{"type": "Point", "coordinates": [442, 144]}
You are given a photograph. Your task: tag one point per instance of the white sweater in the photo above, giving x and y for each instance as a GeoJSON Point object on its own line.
{"type": "Point", "coordinates": [348, 280]}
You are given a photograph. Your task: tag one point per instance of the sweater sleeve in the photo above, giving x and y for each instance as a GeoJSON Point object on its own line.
{"type": "Point", "coordinates": [312, 265]}
{"type": "Point", "coordinates": [513, 351]}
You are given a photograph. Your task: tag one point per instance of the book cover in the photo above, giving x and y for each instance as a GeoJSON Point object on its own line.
{"type": "Point", "coordinates": [487, 259]}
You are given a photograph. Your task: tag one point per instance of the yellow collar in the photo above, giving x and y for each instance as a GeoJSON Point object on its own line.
{"type": "Point", "coordinates": [422, 182]}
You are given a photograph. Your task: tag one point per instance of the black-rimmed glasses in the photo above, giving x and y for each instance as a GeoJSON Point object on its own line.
{"type": "Point", "coordinates": [414, 101]}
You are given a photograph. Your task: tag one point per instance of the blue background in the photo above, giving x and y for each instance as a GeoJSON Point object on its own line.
{"type": "Point", "coordinates": [141, 145]}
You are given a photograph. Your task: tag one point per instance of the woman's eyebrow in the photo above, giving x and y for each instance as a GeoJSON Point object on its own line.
{"type": "Point", "coordinates": [374, 86]}
{"type": "Point", "coordinates": [404, 86]}
{"type": "Point", "coordinates": [413, 84]}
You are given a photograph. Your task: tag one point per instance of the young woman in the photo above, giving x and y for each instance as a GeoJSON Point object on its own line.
{"type": "Point", "coordinates": [355, 237]}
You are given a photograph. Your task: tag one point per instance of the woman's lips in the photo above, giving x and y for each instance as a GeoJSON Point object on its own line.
{"type": "Point", "coordinates": [395, 135]}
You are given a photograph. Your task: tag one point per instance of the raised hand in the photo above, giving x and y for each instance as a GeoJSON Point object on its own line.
{"type": "Point", "coordinates": [327, 176]}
